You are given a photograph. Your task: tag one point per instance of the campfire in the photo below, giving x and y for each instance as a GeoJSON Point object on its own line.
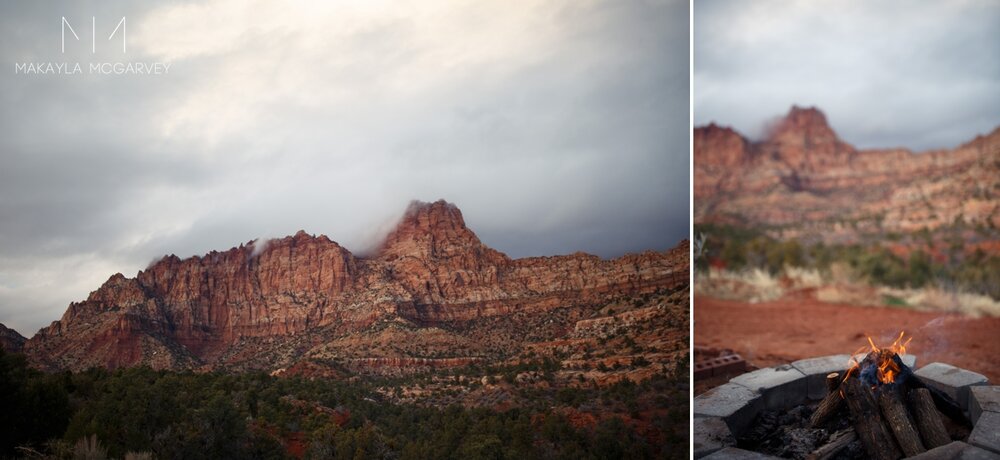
{"type": "Point", "coordinates": [880, 366]}
{"type": "Point", "coordinates": [891, 411]}
{"type": "Point", "coordinates": [873, 404]}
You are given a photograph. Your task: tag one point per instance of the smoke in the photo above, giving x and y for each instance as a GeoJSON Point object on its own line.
{"type": "Point", "coordinates": [934, 336]}
{"type": "Point", "coordinates": [934, 323]}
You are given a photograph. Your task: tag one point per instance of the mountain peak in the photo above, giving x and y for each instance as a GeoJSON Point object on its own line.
{"type": "Point", "coordinates": [422, 217]}
{"type": "Point", "coordinates": [806, 112]}
{"type": "Point", "coordinates": [804, 140]}
{"type": "Point", "coordinates": [803, 122]}
{"type": "Point", "coordinates": [10, 340]}
{"type": "Point", "coordinates": [429, 230]}
{"type": "Point", "coordinates": [422, 213]}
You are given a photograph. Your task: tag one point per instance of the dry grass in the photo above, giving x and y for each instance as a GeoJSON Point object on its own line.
{"type": "Point", "coordinates": [937, 299]}
{"type": "Point", "coordinates": [838, 285]}
{"type": "Point", "coordinates": [755, 285]}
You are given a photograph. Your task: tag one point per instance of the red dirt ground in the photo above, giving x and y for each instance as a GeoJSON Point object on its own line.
{"type": "Point", "coordinates": [782, 331]}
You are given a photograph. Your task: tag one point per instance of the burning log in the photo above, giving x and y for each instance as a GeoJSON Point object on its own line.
{"type": "Point", "coordinates": [899, 421]}
{"type": "Point", "coordinates": [942, 401]}
{"type": "Point", "coordinates": [830, 404]}
{"type": "Point", "coordinates": [928, 419]}
{"type": "Point", "coordinates": [838, 442]}
{"type": "Point", "coordinates": [868, 422]}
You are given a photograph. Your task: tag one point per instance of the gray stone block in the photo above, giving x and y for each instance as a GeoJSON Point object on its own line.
{"type": "Point", "coordinates": [816, 370]}
{"type": "Point", "coordinates": [946, 452]}
{"type": "Point", "coordinates": [780, 387]}
{"type": "Point", "coordinates": [735, 404]}
{"type": "Point", "coordinates": [983, 398]}
{"type": "Point", "coordinates": [953, 381]}
{"type": "Point", "coordinates": [956, 450]}
{"type": "Point", "coordinates": [975, 453]}
{"type": "Point", "coordinates": [710, 435]}
{"type": "Point", "coordinates": [732, 453]}
{"type": "Point", "coordinates": [986, 433]}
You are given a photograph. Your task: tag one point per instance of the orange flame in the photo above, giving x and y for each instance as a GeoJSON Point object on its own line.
{"type": "Point", "coordinates": [888, 370]}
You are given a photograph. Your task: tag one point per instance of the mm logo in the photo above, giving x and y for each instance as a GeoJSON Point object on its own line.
{"type": "Point", "coordinates": [93, 33]}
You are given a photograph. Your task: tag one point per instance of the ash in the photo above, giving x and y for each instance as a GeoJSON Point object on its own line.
{"type": "Point", "coordinates": [787, 434]}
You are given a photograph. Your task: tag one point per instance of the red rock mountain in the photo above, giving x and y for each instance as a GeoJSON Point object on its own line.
{"type": "Point", "coordinates": [803, 181]}
{"type": "Point", "coordinates": [10, 340]}
{"type": "Point", "coordinates": [432, 295]}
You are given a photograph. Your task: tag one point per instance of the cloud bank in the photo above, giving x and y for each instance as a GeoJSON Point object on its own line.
{"type": "Point", "coordinates": [918, 74]}
{"type": "Point", "coordinates": [556, 127]}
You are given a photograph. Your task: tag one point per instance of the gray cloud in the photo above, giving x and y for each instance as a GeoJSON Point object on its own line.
{"type": "Point", "coordinates": [918, 74]}
{"type": "Point", "coordinates": [556, 127]}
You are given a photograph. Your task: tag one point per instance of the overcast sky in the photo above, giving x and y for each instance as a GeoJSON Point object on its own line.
{"type": "Point", "coordinates": [917, 74]}
{"type": "Point", "coordinates": [556, 126]}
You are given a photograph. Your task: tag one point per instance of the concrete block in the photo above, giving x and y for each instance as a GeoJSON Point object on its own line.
{"type": "Point", "coordinates": [953, 381]}
{"type": "Point", "coordinates": [710, 435]}
{"type": "Point", "coordinates": [816, 370]}
{"type": "Point", "coordinates": [780, 387]}
{"type": "Point", "coordinates": [945, 452]}
{"type": "Point", "coordinates": [957, 450]}
{"type": "Point", "coordinates": [732, 453]}
{"type": "Point", "coordinates": [735, 404]}
{"type": "Point", "coordinates": [986, 433]}
{"type": "Point", "coordinates": [975, 453]}
{"type": "Point", "coordinates": [982, 399]}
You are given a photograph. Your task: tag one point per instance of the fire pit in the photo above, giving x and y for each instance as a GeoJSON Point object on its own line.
{"type": "Point", "coordinates": [871, 404]}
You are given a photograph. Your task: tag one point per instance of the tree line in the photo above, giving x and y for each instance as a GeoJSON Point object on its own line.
{"type": "Point", "coordinates": [144, 413]}
{"type": "Point", "coordinates": [954, 267]}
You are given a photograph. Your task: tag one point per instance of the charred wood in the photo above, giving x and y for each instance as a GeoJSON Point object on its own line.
{"type": "Point", "coordinates": [838, 442]}
{"type": "Point", "coordinates": [827, 408]}
{"type": "Point", "coordinates": [928, 419]}
{"type": "Point", "coordinates": [831, 403]}
{"type": "Point", "coordinates": [899, 421]}
{"type": "Point", "coordinates": [942, 401]}
{"type": "Point", "coordinates": [868, 422]}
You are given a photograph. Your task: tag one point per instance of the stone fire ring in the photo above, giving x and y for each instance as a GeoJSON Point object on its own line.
{"type": "Point", "coordinates": [726, 412]}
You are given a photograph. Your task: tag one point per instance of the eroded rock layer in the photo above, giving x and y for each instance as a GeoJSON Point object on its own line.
{"type": "Point", "coordinates": [804, 181]}
{"type": "Point", "coordinates": [429, 297]}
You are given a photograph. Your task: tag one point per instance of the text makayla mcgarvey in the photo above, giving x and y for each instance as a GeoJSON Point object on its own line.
{"type": "Point", "coordinates": [91, 68]}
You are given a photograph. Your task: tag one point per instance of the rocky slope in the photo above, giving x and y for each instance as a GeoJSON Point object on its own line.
{"type": "Point", "coordinates": [432, 296]}
{"type": "Point", "coordinates": [803, 181]}
{"type": "Point", "coordinates": [10, 340]}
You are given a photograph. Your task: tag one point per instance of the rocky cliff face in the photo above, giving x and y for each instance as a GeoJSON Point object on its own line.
{"type": "Point", "coordinates": [10, 340]}
{"type": "Point", "coordinates": [805, 182]}
{"type": "Point", "coordinates": [424, 298]}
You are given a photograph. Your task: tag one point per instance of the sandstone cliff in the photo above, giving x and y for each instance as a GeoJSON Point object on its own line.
{"type": "Point", "coordinates": [10, 340]}
{"type": "Point", "coordinates": [803, 181]}
{"type": "Point", "coordinates": [429, 296]}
